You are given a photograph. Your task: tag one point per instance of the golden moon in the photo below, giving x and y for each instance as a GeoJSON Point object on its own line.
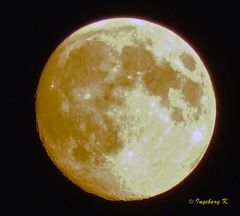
{"type": "Point", "coordinates": [125, 108]}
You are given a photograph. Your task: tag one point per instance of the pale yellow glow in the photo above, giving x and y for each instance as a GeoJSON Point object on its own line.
{"type": "Point", "coordinates": [125, 108]}
{"type": "Point", "coordinates": [87, 96]}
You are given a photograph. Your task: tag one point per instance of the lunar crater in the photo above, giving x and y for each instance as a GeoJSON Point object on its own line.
{"type": "Point", "coordinates": [188, 61]}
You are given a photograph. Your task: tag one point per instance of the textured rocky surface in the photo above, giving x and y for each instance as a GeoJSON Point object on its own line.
{"type": "Point", "coordinates": [125, 108]}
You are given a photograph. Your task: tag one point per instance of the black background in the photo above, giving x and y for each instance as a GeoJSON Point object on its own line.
{"type": "Point", "coordinates": [30, 31]}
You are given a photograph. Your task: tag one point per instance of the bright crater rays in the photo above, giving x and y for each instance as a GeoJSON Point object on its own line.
{"type": "Point", "coordinates": [125, 108]}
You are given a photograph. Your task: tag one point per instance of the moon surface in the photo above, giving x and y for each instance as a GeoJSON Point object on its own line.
{"type": "Point", "coordinates": [125, 108]}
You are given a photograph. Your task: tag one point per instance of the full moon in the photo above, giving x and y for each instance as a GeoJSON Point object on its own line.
{"type": "Point", "coordinates": [125, 108]}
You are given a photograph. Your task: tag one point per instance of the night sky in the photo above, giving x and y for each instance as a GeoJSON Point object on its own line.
{"type": "Point", "coordinates": [30, 31]}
